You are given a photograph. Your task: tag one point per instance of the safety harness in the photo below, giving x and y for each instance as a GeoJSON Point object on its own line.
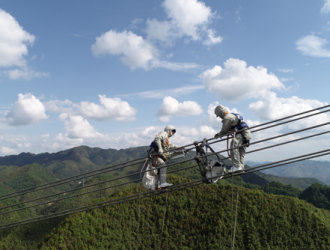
{"type": "Point", "coordinates": [240, 125]}
{"type": "Point", "coordinates": [153, 147]}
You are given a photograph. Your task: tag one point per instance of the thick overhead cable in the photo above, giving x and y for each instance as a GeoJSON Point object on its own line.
{"type": "Point", "coordinates": [152, 193]}
{"type": "Point", "coordinates": [103, 170]}
{"type": "Point", "coordinates": [136, 173]}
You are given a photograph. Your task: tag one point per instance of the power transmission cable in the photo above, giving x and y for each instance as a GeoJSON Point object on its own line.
{"type": "Point", "coordinates": [152, 193]}
{"type": "Point", "coordinates": [37, 188]}
{"type": "Point", "coordinates": [67, 197]}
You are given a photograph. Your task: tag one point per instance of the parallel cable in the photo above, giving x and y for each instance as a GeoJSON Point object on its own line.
{"type": "Point", "coordinates": [122, 177]}
{"type": "Point", "coordinates": [152, 193]}
{"type": "Point", "coordinates": [37, 188]}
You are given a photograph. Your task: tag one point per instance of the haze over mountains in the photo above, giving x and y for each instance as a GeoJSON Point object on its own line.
{"type": "Point", "coordinates": [319, 170]}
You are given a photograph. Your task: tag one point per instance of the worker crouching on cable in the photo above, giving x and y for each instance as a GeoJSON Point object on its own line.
{"type": "Point", "coordinates": [242, 136]}
{"type": "Point", "coordinates": [160, 153]}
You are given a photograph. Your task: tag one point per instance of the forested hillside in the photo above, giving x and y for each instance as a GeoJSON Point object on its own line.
{"type": "Point", "coordinates": [15, 178]}
{"type": "Point", "coordinates": [197, 218]}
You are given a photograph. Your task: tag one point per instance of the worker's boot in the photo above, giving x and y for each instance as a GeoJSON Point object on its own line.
{"type": "Point", "coordinates": [162, 176]}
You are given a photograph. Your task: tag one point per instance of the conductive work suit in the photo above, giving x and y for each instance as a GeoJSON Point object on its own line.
{"type": "Point", "coordinates": [161, 155]}
{"type": "Point", "coordinates": [229, 122]}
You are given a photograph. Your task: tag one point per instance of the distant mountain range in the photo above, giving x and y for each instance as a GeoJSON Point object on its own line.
{"type": "Point", "coordinates": [83, 159]}
{"type": "Point", "coordinates": [319, 170]}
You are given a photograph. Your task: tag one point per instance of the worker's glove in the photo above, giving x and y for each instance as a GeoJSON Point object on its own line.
{"type": "Point", "coordinates": [217, 135]}
{"type": "Point", "coordinates": [160, 151]}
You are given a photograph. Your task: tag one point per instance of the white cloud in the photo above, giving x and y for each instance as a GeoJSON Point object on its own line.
{"type": "Point", "coordinates": [313, 46]}
{"type": "Point", "coordinates": [157, 94]}
{"type": "Point", "coordinates": [13, 41]}
{"type": "Point", "coordinates": [212, 39]}
{"type": "Point", "coordinates": [26, 74]}
{"type": "Point", "coordinates": [110, 109]}
{"type": "Point", "coordinates": [326, 6]}
{"type": "Point", "coordinates": [188, 18]}
{"type": "Point", "coordinates": [284, 70]}
{"type": "Point", "coordinates": [137, 52]}
{"type": "Point", "coordinates": [236, 81]}
{"type": "Point", "coordinates": [171, 107]}
{"type": "Point", "coordinates": [27, 110]}
{"type": "Point", "coordinates": [7, 151]}
{"type": "Point", "coordinates": [58, 106]}
{"type": "Point", "coordinates": [78, 127]}
{"type": "Point", "coordinates": [273, 107]}
{"type": "Point", "coordinates": [160, 31]}
{"type": "Point", "coordinates": [174, 66]}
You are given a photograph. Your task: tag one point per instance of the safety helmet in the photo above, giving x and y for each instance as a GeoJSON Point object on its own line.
{"type": "Point", "coordinates": [220, 111]}
{"type": "Point", "coordinates": [168, 129]}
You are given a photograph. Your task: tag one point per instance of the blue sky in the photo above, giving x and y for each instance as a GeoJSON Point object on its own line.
{"type": "Point", "coordinates": [112, 74]}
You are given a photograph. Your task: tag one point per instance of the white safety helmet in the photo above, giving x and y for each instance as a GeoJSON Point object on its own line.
{"type": "Point", "coordinates": [168, 129]}
{"type": "Point", "coordinates": [220, 111]}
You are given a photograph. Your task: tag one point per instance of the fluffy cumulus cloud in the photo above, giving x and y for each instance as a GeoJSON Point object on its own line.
{"type": "Point", "coordinates": [136, 52]}
{"type": "Point", "coordinates": [14, 42]}
{"type": "Point", "coordinates": [171, 107]}
{"type": "Point", "coordinates": [313, 46]}
{"type": "Point", "coordinates": [326, 7]}
{"type": "Point", "coordinates": [273, 107]}
{"type": "Point", "coordinates": [236, 82]}
{"type": "Point", "coordinates": [78, 127]}
{"type": "Point", "coordinates": [27, 110]}
{"type": "Point", "coordinates": [109, 109]}
{"type": "Point", "coordinates": [186, 18]}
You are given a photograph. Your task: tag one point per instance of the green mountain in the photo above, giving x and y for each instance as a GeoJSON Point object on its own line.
{"type": "Point", "coordinates": [76, 160]}
{"type": "Point", "coordinates": [196, 218]}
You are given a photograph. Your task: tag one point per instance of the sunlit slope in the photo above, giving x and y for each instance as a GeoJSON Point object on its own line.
{"type": "Point", "coordinates": [197, 218]}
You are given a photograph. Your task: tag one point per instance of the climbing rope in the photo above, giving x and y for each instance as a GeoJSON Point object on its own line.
{"type": "Point", "coordinates": [161, 234]}
{"type": "Point", "coordinates": [138, 231]}
{"type": "Point", "coordinates": [235, 216]}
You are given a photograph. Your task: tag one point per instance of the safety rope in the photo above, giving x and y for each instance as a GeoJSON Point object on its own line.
{"type": "Point", "coordinates": [138, 230]}
{"type": "Point", "coordinates": [235, 216]}
{"type": "Point", "coordinates": [161, 233]}
{"type": "Point", "coordinates": [232, 190]}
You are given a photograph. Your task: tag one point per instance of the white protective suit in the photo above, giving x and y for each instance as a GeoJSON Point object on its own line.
{"type": "Point", "coordinates": [229, 122]}
{"type": "Point", "coordinates": [163, 145]}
